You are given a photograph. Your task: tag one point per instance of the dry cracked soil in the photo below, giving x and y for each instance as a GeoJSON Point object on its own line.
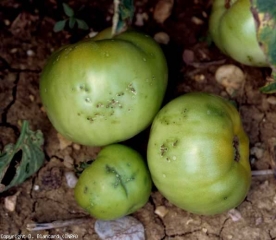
{"type": "Point", "coordinates": [27, 39]}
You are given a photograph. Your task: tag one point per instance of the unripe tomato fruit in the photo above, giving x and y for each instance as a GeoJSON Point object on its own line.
{"type": "Point", "coordinates": [198, 154]}
{"type": "Point", "coordinates": [116, 184]}
{"type": "Point", "coordinates": [233, 30]}
{"type": "Point", "coordinates": [104, 90]}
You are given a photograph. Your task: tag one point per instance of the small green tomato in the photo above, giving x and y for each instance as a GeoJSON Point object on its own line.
{"type": "Point", "coordinates": [116, 184]}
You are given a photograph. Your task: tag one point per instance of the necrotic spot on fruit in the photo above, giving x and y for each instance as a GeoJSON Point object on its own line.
{"type": "Point", "coordinates": [85, 190]}
{"type": "Point", "coordinates": [163, 149]}
{"type": "Point", "coordinates": [120, 94]}
{"type": "Point", "coordinates": [184, 112]}
{"type": "Point", "coordinates": [250, 59]}
{"type": "Point", "coordinates": [88, 100]}
{"type": "Point", "coordinates": [175, 143]}
{"type": "Point", "coordinates": [90, 119]}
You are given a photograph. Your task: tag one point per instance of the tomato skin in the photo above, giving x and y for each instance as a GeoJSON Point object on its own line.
{"type": "Point", "coordinates": [234, 33]}
{"type": "Point", "coordinates": [116, 184]}
{"type": "Point", "coordinates": [191, 156]}
{"type": "Point", "coordinates": [102, 90]}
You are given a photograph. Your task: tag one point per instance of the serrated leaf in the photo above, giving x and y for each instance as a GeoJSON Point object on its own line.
{"type": "Point", "coordinates": [59, 26]}
{"type": "Point", "coordinates": [123, 15]}
{"type": "Point", "coordinates": [264, 13]}
{"type": "Point", "coordinates": [82, 24]}
{"type": "Point", "coordinates": [21, 160]}
{"type": "Point", "coordinates": [120, 229]}
{"type": "Point", "coordinates": [68, 10]}
{"type": "Point", "coordinates": [72, 22]}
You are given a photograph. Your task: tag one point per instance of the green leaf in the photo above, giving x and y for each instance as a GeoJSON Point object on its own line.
{"type": "Point", "coordinates": [21, 160]}
{"type": "Point", "coordinates": [123, 15]}
{"type": "Point", "coordinates": [267, 6]}
{"type": "Point", "coordinates": [68, 10]}
{"type": "Point", "coordinates": [59, 26]}
{"type": "Point", "coordinates": [269, 88]}
{"type": "Point", "coordinates": [72, 22]}
{"type": "Point", "coordinates": [82, 24]}
{"type": "Point", "coordinates": [81, 166]}
{"type": "Point", "coordinates": [264, 13]}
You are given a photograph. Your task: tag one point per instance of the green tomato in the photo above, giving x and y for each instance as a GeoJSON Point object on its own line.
{"type": "Point", "coordinates": [116, 184]}
{"type": "Point", "coordinates": [233, 30]}
{"type": "Point", "coordinates": [198, 154]}
{"type": "Point", "coordinates": [104, 90]}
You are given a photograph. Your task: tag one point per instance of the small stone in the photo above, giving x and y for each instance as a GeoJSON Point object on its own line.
{"type": "Point", "coordinates": [7, 22]}
{"type": "Point", "coordinates": [122, 228]}
{"type": "Point", "coordinates": [235, 215]}
{"type": "Point", "coordinates": [76, 146]}
{"type": "Point", "coordinates": [257, 151]}
{"type": "Point", "coordinates": [22, 66]}
{"type": "Point", "coordinates": [231, 77]}
{"type": "Point", "coordinates": [42, 109]}
{"type": "Point", "coordinates": [271, 100]}
{"type": "Point", "coordinates": [30, 53]}
{"type": "Point", "coordinates": [10, 202]}
{"type": "Point", "coordinates": [162, 10]}
{"type": "Point", "coordinates": [13, 50]}
{"type": "Point", "coordinates": [162, 38]}
{"type": "Point", "coordinates": [36, 187]}
{"type": "Point", "coordinates": [140, 18]}
{"type": "Point", "coordinates": [274, 199]}
{"type": "Point", "coordinates": [31, 97]}
{"type": "Point", "coordinates": [264, 185]}
{"type": "Point", "coordinates": [258, 221]}
{"type": "Point", "coordinates": [188, 56]}
{"type": "Point", "coordinates": [19, 123]}
{"type": "Point", "coordinates": [63, 142]}
{"type": "Point", "coordinates": [161, 211]}
{"type": "Point", "coordinates": [71, 179]}
{"type": "Point", "coordinates": [199, 78]}
{"type": "Point", "coordinates": [68, 162]}
{"type": "Point", "coordinates": [92, 34]}
{"type": "Point", "coordinates": [204, 14]}
{"type": "Point", "coordinates": [197, 21]}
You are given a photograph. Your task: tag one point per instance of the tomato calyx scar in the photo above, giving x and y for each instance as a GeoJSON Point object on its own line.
{"type": "Point", "coordinates": [236, 149]}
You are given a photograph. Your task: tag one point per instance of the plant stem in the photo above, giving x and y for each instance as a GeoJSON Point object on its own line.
{"type": "Point", "coordinates": [57, 224]}
{"type": "Point", "coordinates": [263, 172]}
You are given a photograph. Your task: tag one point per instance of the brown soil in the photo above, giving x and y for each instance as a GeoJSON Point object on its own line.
{"type": "Point", "coordinates": [27, 39]}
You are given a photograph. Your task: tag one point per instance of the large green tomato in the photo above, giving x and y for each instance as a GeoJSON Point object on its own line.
{"type": "Point", "coordinates": [104, 90]}
{"type": "Point", "coordinates": [116, 184]}
{"type": "Point", "coordinates": [198, 154]}
{"type": "Point", "coordinates": [233, 30]}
